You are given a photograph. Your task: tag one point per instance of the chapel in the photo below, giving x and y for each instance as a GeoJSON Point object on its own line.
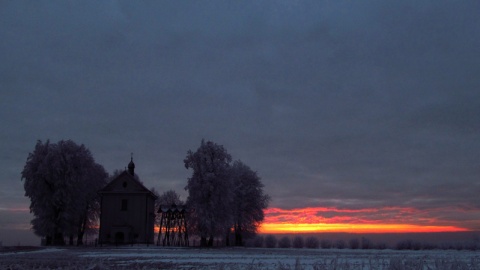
{"type": "Point", "coordinates": [127, 211]}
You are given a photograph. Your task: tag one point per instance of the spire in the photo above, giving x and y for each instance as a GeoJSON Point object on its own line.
{"type": "Point", "coordinates": [131, 166]}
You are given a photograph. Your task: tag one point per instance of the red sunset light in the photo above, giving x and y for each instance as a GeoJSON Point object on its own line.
{"type": "Point", "coordinates": [371, 220]}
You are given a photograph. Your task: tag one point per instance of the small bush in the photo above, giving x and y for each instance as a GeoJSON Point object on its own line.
{"type": "Point", "coordinates": [285, 242]}
{"type": "Point", "coordinates": [409, 244]}
{"type": "Point", "coordinates": [326, 244]}
{"type": "Point", "coordinates": [354, 243]}
{"type": "Point", "coordinates": [340, 244]}
{"type": "Point", "coordinates": [381, 246]}
{"type": "Point", "coordinates": [298, 242]}
{"type": "Point", "coordinates": [258, 241]}
{"type": "Point", "coordinates": [366, 244]}
{"type": "Point", "coordinates": [312, 242]}
{"type": "Point", "coordinates": [270, 241]}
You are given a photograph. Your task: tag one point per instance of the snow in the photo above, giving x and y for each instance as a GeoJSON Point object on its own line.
{"type": "Point", "coordinates": [143, 257]}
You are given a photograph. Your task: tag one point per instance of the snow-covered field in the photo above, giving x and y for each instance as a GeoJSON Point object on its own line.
{"type": "Point", "coordinates": [142, 257]}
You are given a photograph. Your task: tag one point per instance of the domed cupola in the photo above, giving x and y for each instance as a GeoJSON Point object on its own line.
{"type": "Point", "coordinates": [131, 166]}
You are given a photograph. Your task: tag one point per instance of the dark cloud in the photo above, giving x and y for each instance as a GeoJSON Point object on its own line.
{"type": "Point", "coordinates": [338, 104]}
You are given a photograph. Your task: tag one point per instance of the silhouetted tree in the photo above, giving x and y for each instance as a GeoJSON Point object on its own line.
{"type": "Point", "coordinates": [325, 243]}
{"type": "Point", "coordinates": [210, 190]}
{"type": "Point", "coordinates": [248, 203]}
{"type": "Point", "coordinates": [258, 241]}
{"type": "Point", "coordinates": [298, 242]}
{"type": "Point", "coordinates": [340, 244]}
{"type": "Point", "coordinates": [169, 197]}
{"type": "Point", "coordinates": [312, 242]}
{"type": "Point", "coordinates": [285, 242]}
{"type": "Point", "coordinates": [62, 181]}
{"type": "Point", "coordinates": [354, 243]}
{"type": "Point", "coordinates": [366, 243]}
{"type": "Point", "coordinates": [270, 241]}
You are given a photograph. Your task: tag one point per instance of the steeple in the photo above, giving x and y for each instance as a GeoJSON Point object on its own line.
{"type": "Point", "coordinates": [131, 166]}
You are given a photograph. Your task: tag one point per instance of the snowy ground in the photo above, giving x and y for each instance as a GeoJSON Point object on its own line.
{"type": "Point", "coordinates": [234, 258]}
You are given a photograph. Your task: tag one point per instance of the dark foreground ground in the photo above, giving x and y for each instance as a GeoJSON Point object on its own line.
{"type": "Point", "coordinates": [142, 257]}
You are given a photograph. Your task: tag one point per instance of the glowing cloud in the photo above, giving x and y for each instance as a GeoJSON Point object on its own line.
{"type": "Point", "coordinates": [368, 220]}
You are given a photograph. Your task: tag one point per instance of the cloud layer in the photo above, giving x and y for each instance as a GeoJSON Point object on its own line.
{"type": "Point", "coordinates": [335, 104]}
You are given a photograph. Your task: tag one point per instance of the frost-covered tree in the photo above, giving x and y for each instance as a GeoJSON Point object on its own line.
{"type": "Point", "coordinates": [62, 181]}
{"type": "Point", "coordinates": [249, 201]}
{"type": "Point", "coordinates": [169, 197]}
{"type": "Point", "coordinates": [209, 190]}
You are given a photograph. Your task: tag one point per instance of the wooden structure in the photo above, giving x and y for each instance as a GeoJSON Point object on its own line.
{"type": "Point", "coordinates": [173, 226]}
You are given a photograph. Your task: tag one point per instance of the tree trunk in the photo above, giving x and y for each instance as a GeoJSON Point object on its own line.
{"type": "Point", "coordinates": [80, 238]}
{"type": "Point", "coordinates": [81, 231]}
{"type": "Point", "coordinates": [203, 241]}
{"type": "Point", "coordinates": [48, 240]}
{"type": "Point", "coordinates": [58, 239]}
{"type": "Point", "coordinates": [238, 235]}
{"type": "Point", "coordinates": [210, 241]}
{"type": "Point", "coordinates": [227, 238]}
{"type": "Point", "coordinates": [70, 242]}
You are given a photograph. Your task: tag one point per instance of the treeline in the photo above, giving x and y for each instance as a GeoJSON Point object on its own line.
{"type": "Point", "coordinates": [272, 241]}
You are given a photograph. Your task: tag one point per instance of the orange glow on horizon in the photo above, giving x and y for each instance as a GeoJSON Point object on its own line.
{"type": "Point", "coordinates": [278, 228]}
{"type": "Point", "coordinates": [363, 220]}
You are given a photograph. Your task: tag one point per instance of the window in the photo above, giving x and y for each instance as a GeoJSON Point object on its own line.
{"type": "Point", "coordinates": [124, 205]}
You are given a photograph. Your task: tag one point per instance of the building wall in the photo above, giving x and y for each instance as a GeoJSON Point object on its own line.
{"type": "Point", "coordinates": [135, 223]}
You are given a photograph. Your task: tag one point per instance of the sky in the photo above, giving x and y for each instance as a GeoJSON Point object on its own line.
{"type": "Point", "coordinates": [357, 115]}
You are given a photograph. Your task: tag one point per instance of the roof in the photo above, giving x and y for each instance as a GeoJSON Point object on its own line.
{"type": "Point", "coordinates": [126, 183]}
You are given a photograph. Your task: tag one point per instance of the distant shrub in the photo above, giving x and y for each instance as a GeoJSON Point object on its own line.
{"type": "Point", "coordinates": [381, 246]}
{"type": "Point", "coordinates": [416, 245]}
{"type": "Point", "coordinates": [366, 244]}
{"type": "Point", "coordinates": [471, 246]}
{"type": "Point", "coordinates": [340, 244]}
{"type": "Point", "coordinates": [409, 244]}
{"type": "Point", "coordinates": [354, 243]}
{"type": "Point", "coordinates": [459, 246]}
{"type": "Point", "coordinates": [298, 242]}
{"type": "Point", "coordinates": [258, 241]}
{"type": "Point", "coordinates": [404, 244]}
{"type": "Point", "coordinates": [446, 246]}
{"type": "Point", "coordinates": [285, 242]}
{"type": "Point", "coordinates": [312, 242]}
{"type": "Point", "coordinates": [270, 241]}
{"type": "Point", "coordinates": [429, 246]}
{"type": "Point", "coordinates": [325, 244]}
